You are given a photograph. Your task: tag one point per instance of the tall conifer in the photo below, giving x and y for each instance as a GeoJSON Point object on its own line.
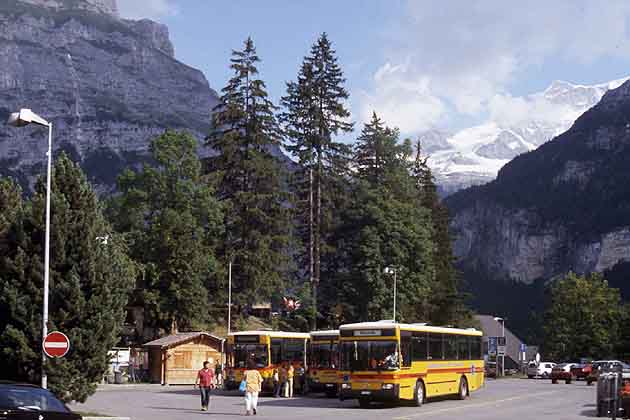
{"type": "Point", "coordinates": [315, 113]}
{"type": "Point", "coordinates": [245, 134]}
{"type": "Point", "coordinates": [90, 279]}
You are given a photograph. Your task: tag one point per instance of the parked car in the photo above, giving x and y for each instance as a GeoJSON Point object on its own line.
{"type": "Point", "coordinates": [30, 402]}
{"type": "Point", "coordinates": [581, 370]}
{"type": "Point", "coordinates": [539, 370]}
{"type": "Point", "coordinates": [491, 369]}
{"type": "Point", "coordinates": [599, 365]}
{"type": "Point", "coordinates": [562, 372]}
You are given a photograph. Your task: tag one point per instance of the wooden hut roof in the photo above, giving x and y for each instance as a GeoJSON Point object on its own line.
{"type": "Point", "coordinates": [179, 338]}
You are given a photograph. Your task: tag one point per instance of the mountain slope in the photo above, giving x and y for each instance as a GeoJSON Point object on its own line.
{"type": "Point", "coordinates": [474, 155]}
{"type": "Point", "coordinates": [109, 85]}
{"type": "Point", "coordinates": [564, 206]}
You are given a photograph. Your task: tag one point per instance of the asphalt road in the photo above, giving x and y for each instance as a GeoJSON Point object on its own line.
{"type": "Point", "coordinates": [519, 399]}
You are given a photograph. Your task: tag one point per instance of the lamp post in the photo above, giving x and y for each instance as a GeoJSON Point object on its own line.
{"type": "Point", "coordinates": [392, 270]}
{"type": "Point", "coordinates": [502, 321]}
{"type": "Point", "coordinates": [20, 119]}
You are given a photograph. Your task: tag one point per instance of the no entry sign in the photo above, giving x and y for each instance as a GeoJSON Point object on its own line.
{"type": "Point", "coordinates": [56, 344]}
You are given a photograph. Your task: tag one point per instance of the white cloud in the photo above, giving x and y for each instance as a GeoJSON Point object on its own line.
{"type": "Point", "coordinates": [507, 110]}
{"type": "Point", "coordinates": [463, 56]}
{"type": "Point", "coordinates": [146, 9]}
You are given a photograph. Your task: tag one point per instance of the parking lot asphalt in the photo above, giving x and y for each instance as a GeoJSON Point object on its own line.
{"type": "Point", "coordinates": [520, 399]}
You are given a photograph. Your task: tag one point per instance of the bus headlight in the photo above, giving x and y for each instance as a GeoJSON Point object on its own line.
{"type": "Point", "coordinates": [387, 386]}
{"type": "Point", "coordinates": [346, 386]}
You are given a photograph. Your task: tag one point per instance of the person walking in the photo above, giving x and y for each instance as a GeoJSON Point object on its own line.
{"type": "Point", "coordinates": [290, 375]}
{"type": "Point", "coordinates": [205, 381]}
{"type": "Point", "coordinates": [283, 380]}
{"type": "Point", "coordinates": [218, 374]}
{"type": "Point", "coordinates": [276, 383]}
{"type": "Point", "coordinates": [253, 382]}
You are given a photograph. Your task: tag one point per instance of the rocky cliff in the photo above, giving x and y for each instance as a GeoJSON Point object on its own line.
{"type": "Point", "coordinates": [109, 85]}
{"type": "Point", "coordinates": [564, 206]}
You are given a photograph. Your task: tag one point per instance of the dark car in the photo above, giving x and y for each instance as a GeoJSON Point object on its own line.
{"type": "Point", "coordinates": [29, 402]}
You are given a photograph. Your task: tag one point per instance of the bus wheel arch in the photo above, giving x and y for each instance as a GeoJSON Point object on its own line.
{"type": "Point", "coordinates": [464, 389]}
{"type": "Point", "coordinates": [419, 393]}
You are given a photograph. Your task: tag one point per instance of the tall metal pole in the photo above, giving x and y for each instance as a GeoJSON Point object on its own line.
{"type": "Point", "coordinates": [46, 256]}
{"type": "Point", "coordinates": [229, 297]}
{"type": "Point", "coordinates": [395, 270]}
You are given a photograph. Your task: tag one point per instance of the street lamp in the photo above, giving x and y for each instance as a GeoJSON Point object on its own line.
{"type": "Point", "coordinates": [502, 321]}
{"type": "Point", "coordinates": [21, 119]}
{"type": "Point", "coordinates": [392, 270]}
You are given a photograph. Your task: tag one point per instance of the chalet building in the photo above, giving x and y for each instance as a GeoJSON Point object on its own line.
{"type": "Point", "coordinates": [513, 355]}
{"type": "Point", "coordinates": [175, 359]}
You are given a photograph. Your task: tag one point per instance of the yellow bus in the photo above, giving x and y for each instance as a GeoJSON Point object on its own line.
{"type": "Point", "coordinates": [389, 361]}
{"type": "Point", "coordinates": [268, 350]}
{"type": "Point", "coordinates": [323, 362]}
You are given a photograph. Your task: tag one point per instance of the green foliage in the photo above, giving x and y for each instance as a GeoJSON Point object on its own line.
{"type": "Point", "coordinates": [314, 114]}
{"type": "Point", "coordinates": [382, 231]}
{"type": "Point", "coordinates": [89, 283]}
{"type": "Point", "coordinates": [249, 179]}
{"type": "Point", "coordinates": [582, 318]}
{"type": "Point", "coordinates": [172, 220]}
{"type": "Point", "coordinates": [395, 220]}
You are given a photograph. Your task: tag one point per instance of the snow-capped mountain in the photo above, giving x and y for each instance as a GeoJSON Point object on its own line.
{"type": "Point", "coordinates": [474, 155]}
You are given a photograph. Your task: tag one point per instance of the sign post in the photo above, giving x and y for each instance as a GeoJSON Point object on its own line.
{"type": "Point", "coordinates": [56, 344]}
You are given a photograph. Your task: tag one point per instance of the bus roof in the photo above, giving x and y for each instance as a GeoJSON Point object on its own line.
{"type": "Point", "coordinates": [409, 327]}
{"type": "Point", "coordinates": [324, 333]}
{"type": "Point", "coordinates": [274, 334]}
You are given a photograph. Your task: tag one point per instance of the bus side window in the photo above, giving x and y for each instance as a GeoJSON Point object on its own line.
{"type": "Point", "coordinates": [463, 348]}
{"type": "Point", "coordinates": [276, 351]}
{"type": "Point", "coordinates": [420, 346]}
{"type": "Point", "coordinates": [435, 347]}
{"type": "Point", "coordinates": [476, 352]}
{"type": "Point", "coordinates": [450, 347]}
{"type": "Point", "coordinates": [405, 347]}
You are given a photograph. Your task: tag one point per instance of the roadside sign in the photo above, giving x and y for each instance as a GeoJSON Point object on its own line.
{"type": "Point", "coordinates": [56, 344]}
{"type": "Point", "coordinates": [492, 346]}
{"type": "Point", "coordinates": [501, 346]}
{"type": "Point", "coordinates": [537, 357]}
{"type": "Point", "coordinates": [523, 348]}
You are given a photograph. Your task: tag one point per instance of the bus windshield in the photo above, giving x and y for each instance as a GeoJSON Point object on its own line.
{"type": "Point", "coordinates": [324, 355]}
{"type": "Point", "coordinates": [244, 352]}
{"type": "Point", "coordinates": [369, 355]}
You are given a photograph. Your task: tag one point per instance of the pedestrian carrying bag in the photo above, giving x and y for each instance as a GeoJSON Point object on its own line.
{"type": "Point", "coordinates": [243, 386]}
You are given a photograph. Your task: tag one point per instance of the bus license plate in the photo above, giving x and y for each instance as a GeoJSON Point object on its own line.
{"type": "Point", "coordinates": [366, 392]}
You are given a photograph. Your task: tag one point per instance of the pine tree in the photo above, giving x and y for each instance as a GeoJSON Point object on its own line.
{"type": "Point", "coordinates": [170, 215]}
{"type": "Point", "coordinates": [245, 134]}
{"type": "Point", "coordinates": [315, 113]}
{"type": "Point", "coordinates": [448, 306]}
{"type": "Point", "coordinates": [90, 280]}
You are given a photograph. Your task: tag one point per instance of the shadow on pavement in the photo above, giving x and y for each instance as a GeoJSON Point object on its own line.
{"type": "Point", "coordinates": [199, 412]}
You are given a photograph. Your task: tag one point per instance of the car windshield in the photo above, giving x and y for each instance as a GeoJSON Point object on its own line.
{"type": "Point", "coordinates": [29, 399]}
{"type": "Point", "coordinates": [369, 355]}
{"type": "Point", "coordinates": [324, 355]}
{"type": "Point", "coordinates": [561, 366]}
{"type": "Point", "coordinates": [244, 352]}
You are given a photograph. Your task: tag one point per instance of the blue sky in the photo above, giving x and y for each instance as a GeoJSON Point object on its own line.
{"type": "Point", "coordinates": [419, 63]}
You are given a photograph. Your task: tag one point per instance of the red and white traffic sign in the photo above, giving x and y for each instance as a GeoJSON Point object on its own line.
{"type": "Point", "coordinates": [56, 344]}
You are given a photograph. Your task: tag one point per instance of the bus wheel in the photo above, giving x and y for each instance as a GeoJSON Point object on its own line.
{"type": "Point", "coordinates": [463, 389]}
{"type": "Point", "coordinates": [418, 394]}
{"type": "Point", "coordinates": [364, 402]}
